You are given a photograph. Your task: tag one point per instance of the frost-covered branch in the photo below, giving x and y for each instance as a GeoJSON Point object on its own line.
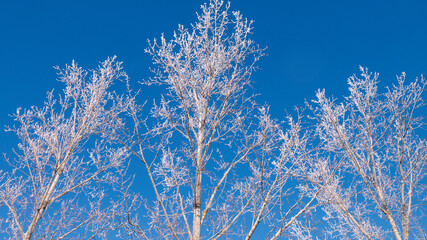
{"type": "Point", "coordinates": [64, 158]}
{"type": "Point", "coordinates": [374, 137]}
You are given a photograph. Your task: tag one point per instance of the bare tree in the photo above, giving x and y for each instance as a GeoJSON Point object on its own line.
{"type": "Point", "coordinates": [219, 165]}
{"type": "Point", "coordinates": [64, 179]}
{"type": "Point", "coordinates": [372, 137]}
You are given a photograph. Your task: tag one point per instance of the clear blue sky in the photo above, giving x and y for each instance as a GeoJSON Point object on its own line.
{"type": "Point", "coordinates": [311, 44]}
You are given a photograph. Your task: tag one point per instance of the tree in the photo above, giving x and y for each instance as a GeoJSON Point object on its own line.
{"type": "Point", "coordinates": [219, 165]}
{"type": "Point", "coordinates": [372, 137]}
{"type": "Point", "coordinates": [66, 173]}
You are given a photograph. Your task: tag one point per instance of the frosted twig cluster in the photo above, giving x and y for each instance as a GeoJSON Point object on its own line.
{"type": "Point", "coordinates": [57, 186]}
{"type": "Point", "coordinates": [373, 137]}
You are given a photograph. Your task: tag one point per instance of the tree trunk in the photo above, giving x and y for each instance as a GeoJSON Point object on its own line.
{"type": "Point", "coordinates": [197, 204]}
{"type": "Point", "coordinates": [198, 186]}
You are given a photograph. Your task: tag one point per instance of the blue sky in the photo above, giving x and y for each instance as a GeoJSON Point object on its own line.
{"type": "Point", "coordinates": [311, 44]}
